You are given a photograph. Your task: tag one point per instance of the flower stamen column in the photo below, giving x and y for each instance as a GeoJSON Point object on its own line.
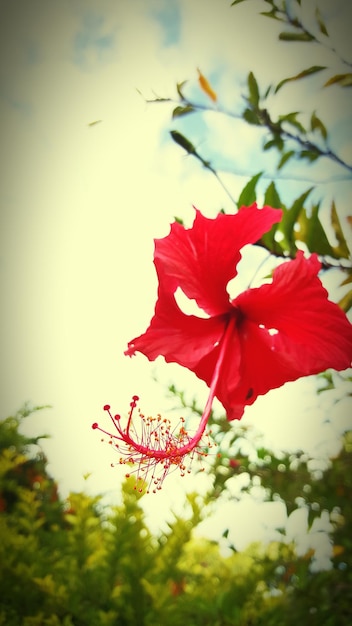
{"type": "Point", "coordinates": [155, 445]}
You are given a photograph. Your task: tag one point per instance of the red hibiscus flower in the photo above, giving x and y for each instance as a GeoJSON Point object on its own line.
{"type": "Point", "coordinates": [274, 333]}
{"type": "Point", "coordinates": [245, 346]}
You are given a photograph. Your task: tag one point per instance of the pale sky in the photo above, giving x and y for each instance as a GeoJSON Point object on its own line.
{"type": "Point", "coordinates": [81, 205]}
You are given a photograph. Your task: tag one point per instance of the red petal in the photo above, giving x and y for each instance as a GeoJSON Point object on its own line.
{"type": "Point", "coordinates": [179, 338]}
{"type": "Point", "coordinates": [315, 332]}
{"type": "Point", "coordinates": [262, 368]}
{"type": "Point", "coordinates": [203, 259]}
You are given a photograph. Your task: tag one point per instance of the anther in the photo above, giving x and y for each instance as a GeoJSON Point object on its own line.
{"type": "Point", "coordinates": [152, 445]}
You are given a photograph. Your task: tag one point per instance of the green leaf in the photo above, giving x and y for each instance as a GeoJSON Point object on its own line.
{"type": "Point", "coordinates": [253, 90]}
{"type": "Point", "coordinates": [313, 234]}
{"type": "Point", "coordinates": [290, 217]}
{"type": "Point", "coordinates": [270, 144]}
{"type": "Point", "coordinates": [344, 80]}
{"type": "Point", "coordinates": [329, 382]}
{"type": "Point", "coordinates": [308, 72]}
{"type": "Point", "coordinates": [272, 14]}
{"type": "Point", "coordinates": [276, 142]}
{"type": "Point", "coordinates": [285, 157]}
{"type": "Point", "coordinates": [317, 124]}
{"type": "Point", "coordinates": [182, 141]}
{"type": "Point", "coordinates": [311, 155]}
{"type": "Point", "coordinates": [248, 195]}
{"type": "Point", "coordinates": [341, 250]}
{"type": "Point", "coordinates": [290, 118]}
{"type": "Point", "coordinates": [347, 280]}
{"type": "Point", "coordinates": [346, 302]}
{"type": "Point", "coordinates": [179, 87]}
{"type": "Point", "coordinates": [288, 36]}
{"type": "Point", "coordinates": [236, 2]}
{"type": "Point", "coordinates": [267, 92]}
{"type": "Point", "coordinates": [182, 110]}
{"type": "Point", "coordinates": [272, 198]}
{"type": "Point", "coordinates": [321, 23]}
{"type": "Point", "coordinates": [251, 117]}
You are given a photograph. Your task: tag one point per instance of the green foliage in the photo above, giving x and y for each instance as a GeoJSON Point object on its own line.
{"type": "Point", "coordinates": [308, 72]}
{"type": "Point", "coordinates": [291, 14]}
{"type": "Point", "coordinates": [180, 110]}
{"type": "Point", "coordinates": [299, 482]}
{"type": "Point", "coordinates": [248, 194]}
{"type": "Point", "coordinates": [344, 80]}
{"type": "Point", "coordinates": [75, 562]}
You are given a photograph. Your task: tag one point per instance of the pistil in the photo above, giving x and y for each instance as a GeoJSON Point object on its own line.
{"type": "Point", "coordinates": [155, 443]}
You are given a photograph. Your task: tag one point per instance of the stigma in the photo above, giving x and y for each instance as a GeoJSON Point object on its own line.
{"type": "Point", "coordinates": [153, 446]}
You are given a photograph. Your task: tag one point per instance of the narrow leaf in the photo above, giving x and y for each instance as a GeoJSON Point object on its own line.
{"type": "Point", "coordinates": [251, 117]}
{"type": "Point", "coordinates": [344, 80]}
{"type": "Point", "coordinates": [308, 72]}
{"type": "Point", "coordinates": [179, 87]}
{"type": "Point", "coordinates": [290, 218]}
{"type": "Point", "coordinates": [236, 2]}
{"type": "Point", "coordinates": [288, 36]}
{"type": "Point", "coordinates": [272, 14]}
{"type": "Point", "coordinates": [341, 249]}
{"type": "Point", "coordinates": [253, 89]}
{"type": "Point", "coordinates": [346, 302]}
{"type": "Point", "coordinates": [180, 110]}
{"type": "Point", "coordinates": [248, 195]}
{"type": "Point", "coordinates": [182, 141]}
{"type": "Point", "coordinates": [314, 234]}
{"type": "Point", "coordinates": [347, 280]}
{"type": "Point", "coordinates": [317, 124]}
{"type": "Point", "coordinates": [285, 157]}
{"type": "Point", "coordinates": [321, 23]}
{"type": "Point", "coordinates": [206, 86]}
{"type": "Point", "coordinates": [290, 118]}
{"type": "Point", "coordinates": [328, 380]}
{"type": "Point", "coordinates": [276, 142]}
{"type": "Point", "coordinates": [271, 197]}
{"type": "Point", "coordinates": [309, 154]}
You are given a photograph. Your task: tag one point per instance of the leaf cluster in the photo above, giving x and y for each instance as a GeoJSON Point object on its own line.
{"type": "Point", "coordinates": [77, 562]}
{"type": "Point", "coordinates": [295, 136]}
{"type": "Point", "coordinates": [291, 14]}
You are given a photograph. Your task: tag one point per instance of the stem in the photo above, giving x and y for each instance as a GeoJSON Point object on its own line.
{"type": "Point", "coordinates": [190, 445]}
{"type": "Point", "coordinates": [296, 23]}
{"type": "Point", "coordinates": [211, 169]}
{"type": "Point", "coordinates": [309, 145]}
